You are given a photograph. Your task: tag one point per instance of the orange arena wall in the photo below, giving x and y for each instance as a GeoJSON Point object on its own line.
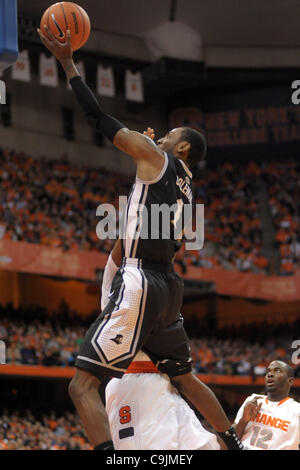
{"type": "Point", "coordinates": [84, 298]}
{"type": "Point", "coordinates": [237, 311]}
{"type": "Point", "coordinates": [38, 259]}
{"type": "Point", "coordinates": [68, 372]}
{"type": "Point", "coordinates": [30, 289]}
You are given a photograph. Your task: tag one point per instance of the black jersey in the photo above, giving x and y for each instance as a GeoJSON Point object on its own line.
{"type": "Point", "coordinates": [150, 230]}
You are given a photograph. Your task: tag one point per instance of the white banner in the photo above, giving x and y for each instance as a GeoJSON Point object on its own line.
{"type": "Point", "coordinates": [134, 90]}
{"type": "Point", "coordinates": [105, 81]}
{"type": "Point", "coordinates": [81, 69]}
{"type": "Point", "coordinates": [48, 71]}
{"type": "Point", "coordinates": [21, 69]}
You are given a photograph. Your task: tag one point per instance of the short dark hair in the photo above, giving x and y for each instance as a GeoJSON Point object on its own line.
{"type": "Point", "coordinates": [198, 145]}
{"type": "Point", "coordinates": [290, 371]}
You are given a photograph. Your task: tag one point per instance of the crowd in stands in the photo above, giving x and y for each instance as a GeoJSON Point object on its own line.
{"type": "Point", "coordinates": [54, 203]}
{"type": "Point", "coordinates": [49, 432]}
{"type": "Point", "coordinates": [244, 349]}
{"type": "Point", "coordinates": [238, 357]}
{"type": "Point", "coordinates": [283, 182]}
{"type": "Point", "coordinates": [39, 339]}
{"type": "Point", "coordinates": [233, 233]}
{"type": "Point", "coordinates": [34, 335]}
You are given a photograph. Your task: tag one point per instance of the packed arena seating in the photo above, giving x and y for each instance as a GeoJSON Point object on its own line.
{"type": "Point", "coordinates": [38, 338]}
{"type": "Point", "coordinates": [233, 235]}
{"type": "Point", "coordinates": [54, 203]}
{"type": "Point", "coordinates": [237, 357]}
{"type": "Point", "coordinates": [283, 181]}
{"type": "Point", "coordinates": [34, 336]}
{"type": "Point", "coordinates": [24, 431]}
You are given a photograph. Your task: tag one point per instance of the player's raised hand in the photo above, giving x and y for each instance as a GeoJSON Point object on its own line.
{"type": "Point", "coordinates": [150, 133]}
{"type": "Point", "coordinates": [62, 50]}
{"type": "Point", "coordinates": [251, 410]}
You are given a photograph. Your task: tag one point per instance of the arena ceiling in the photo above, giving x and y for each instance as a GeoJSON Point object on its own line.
{"type": "Point", "coordinates": [219, 22]}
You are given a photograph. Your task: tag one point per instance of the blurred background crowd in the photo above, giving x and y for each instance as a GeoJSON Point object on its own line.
{"type": "Point", "coordinates": [54, 203]}
{"type": "Point", "coordinates": [34, 336]}
{"type": "Point", "coordinates": [46, 432]}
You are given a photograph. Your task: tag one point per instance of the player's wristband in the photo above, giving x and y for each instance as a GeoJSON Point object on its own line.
{"type": "Point", "coordinates": [108, 445]}
{"type": "Point", "coordinates": [231, 439]}
{"type": "Point", "coordinates": [108, 125]}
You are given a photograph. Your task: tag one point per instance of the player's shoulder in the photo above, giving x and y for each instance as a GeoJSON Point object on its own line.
{"type": "Point", "coordinates": [257, 395]}
{"type": "Point", "coordinates": [295, 404]}
{"type": "Point", "coordinates": [251, 397]}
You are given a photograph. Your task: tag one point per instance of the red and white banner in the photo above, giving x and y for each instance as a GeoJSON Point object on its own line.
{"type": "Point", "coordinates": [105, 81]}
{"type": "Point", "coordinates": [21, 69]}
{"type": "Point", "coordinates": [48, 71]}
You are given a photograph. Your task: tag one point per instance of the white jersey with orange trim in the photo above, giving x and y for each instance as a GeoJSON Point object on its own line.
{"type": "Point", "coordinates": [276, 427]}
{"type": "Point", "coordinates": [146, 412]}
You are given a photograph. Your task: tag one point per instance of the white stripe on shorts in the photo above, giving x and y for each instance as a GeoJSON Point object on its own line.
{"type": "Point", "coordinates": [117, 336]}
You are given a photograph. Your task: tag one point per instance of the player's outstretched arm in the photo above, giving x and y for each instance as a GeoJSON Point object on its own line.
{"type": "Point", "coordinates": [139, 146]}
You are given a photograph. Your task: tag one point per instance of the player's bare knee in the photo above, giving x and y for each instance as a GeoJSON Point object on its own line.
{"type": "Point", "coordinates": [82, 383]}
{"type": "Point", "coordinates": [74, 389]}
{"type": "Point", "coordinates": [181, 382]}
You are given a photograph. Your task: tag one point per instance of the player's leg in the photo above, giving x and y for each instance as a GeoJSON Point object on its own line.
{"type": "Point", "coordinates": [203, 399]}
{"type": "Point", "coordinates": [178, 368]}
{"type": "Point", "coordinates": [84, 392]}
{"type": "Point", "coordinates": [93, 368]}
{"type": "Point", "coordinates": [192, 435]}
{"type": "Point", "coordinates": [168, 347]}
{"type": "Point", "coordinates": [108, 349]}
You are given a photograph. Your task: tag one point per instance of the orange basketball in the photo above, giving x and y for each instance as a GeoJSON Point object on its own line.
{"type": "Point", "coordinates": [67, 15]}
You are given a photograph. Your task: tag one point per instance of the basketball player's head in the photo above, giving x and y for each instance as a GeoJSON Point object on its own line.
{"type": "Point", "coordinates": [279, 377]}
{"type": "Point", "coordinates": [185, 143]}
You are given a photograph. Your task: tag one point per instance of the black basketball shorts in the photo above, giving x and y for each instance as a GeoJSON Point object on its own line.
{"type": "Point", "coordinates": [143, 313]}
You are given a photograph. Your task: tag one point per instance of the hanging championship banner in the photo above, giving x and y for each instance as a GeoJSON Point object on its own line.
{"type": "Point", "coordinates": [105, 81]}
{"type": "Point", "coordinates": [48, 71]}
{"type": "Point", "coordinates": [134, 90]}
{"type": "Point", "coordinates": [21, 69]}
{"type": "Point", "coordinates": [81, 69]}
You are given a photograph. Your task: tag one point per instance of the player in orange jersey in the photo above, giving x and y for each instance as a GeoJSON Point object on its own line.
{"type": "Point", "coordinates": [272, 421]}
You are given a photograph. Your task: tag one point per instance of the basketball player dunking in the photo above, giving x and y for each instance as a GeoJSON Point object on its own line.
{"type": "Point", "coordinates": [144, 309]}
{"type": "Point", "coordinates": [144, 397]}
